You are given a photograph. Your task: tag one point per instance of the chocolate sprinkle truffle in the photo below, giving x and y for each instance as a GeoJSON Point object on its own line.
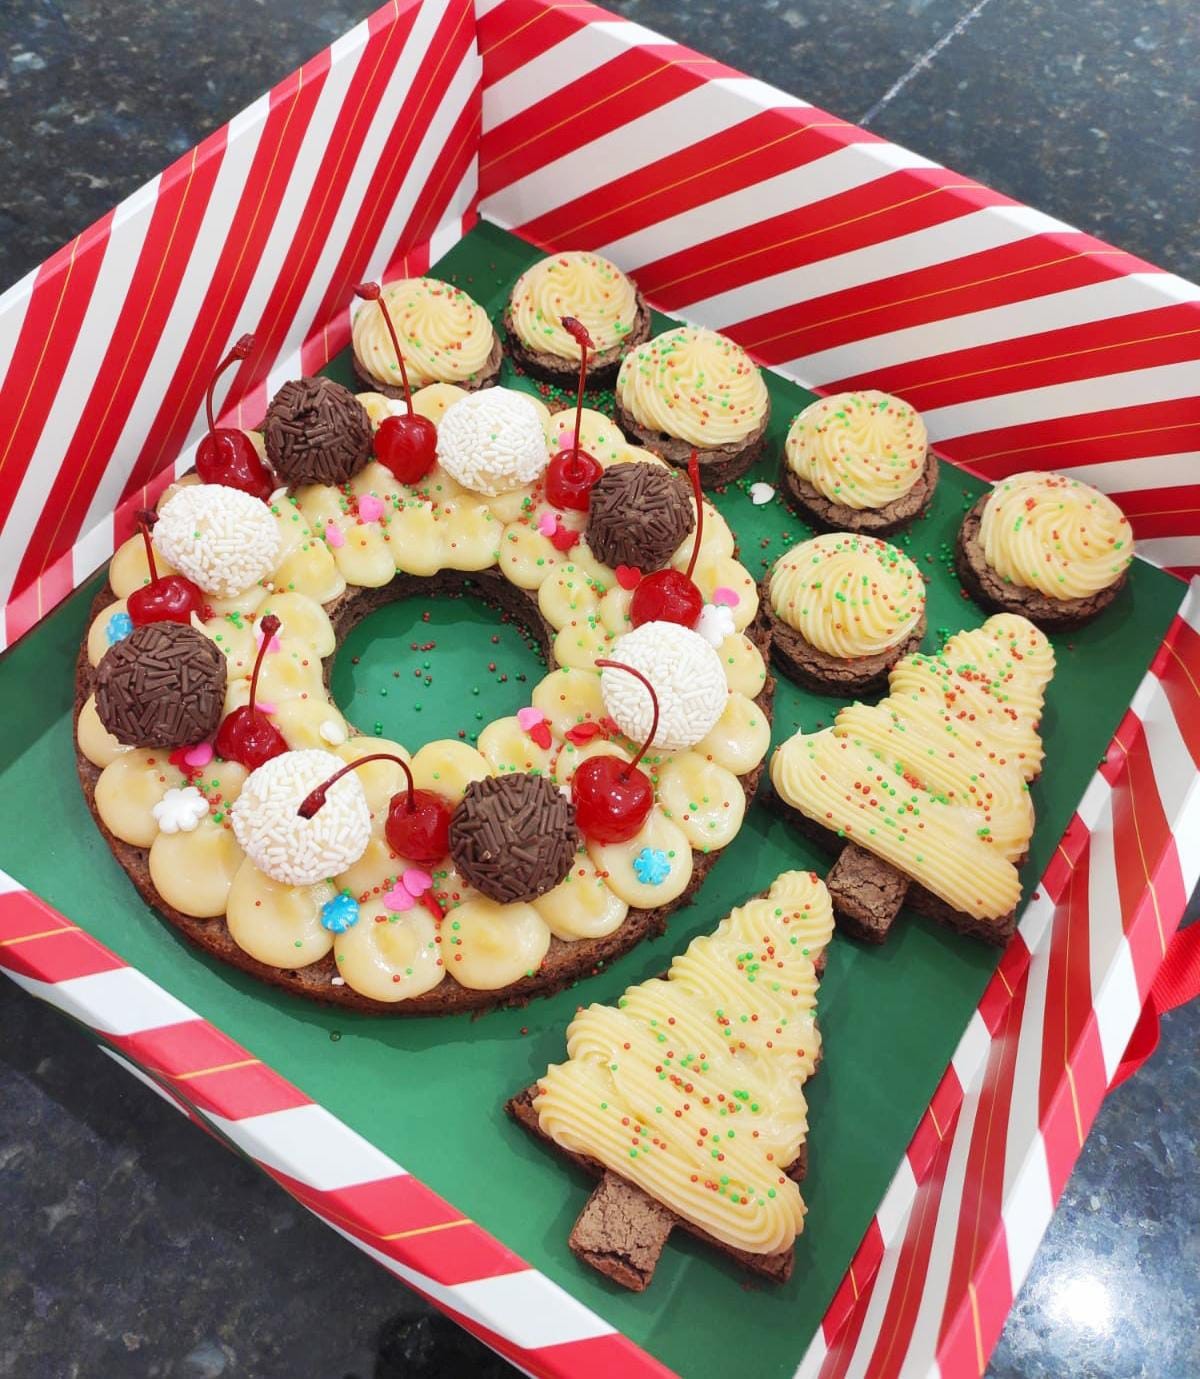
{"type": "Point", "coordinates": [513, 837]}
{"type": "Point", "coordinates": [162, 686]}
{"type": "Point", "coordinates": [317, 432]}
{"type": "Point", "coordinates": [638, 514]}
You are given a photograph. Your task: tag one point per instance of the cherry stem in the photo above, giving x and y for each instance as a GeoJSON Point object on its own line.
{"type": "Point", "coordinates": [372, 292]}
{"type": "Point", "coordinates": [578, 332]}
{"type": "Point", "coordinates": [645, 747]}
{"type": "Point", "coordinates": [143, 522]}
{"type": "Point", "coordinates": [316, 798]}
{"type": "Point", "coordinates": [268, 627]}
{"type": "Point", "coordinates": [694, 475]}
{"type": "Point", "coordinates": [240, 350]}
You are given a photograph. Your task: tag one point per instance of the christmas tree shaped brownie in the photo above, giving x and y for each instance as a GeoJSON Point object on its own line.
{"type": "Point", "coordinates": [924, 797]}
{"type": "Point", "coordinates": [687, 1100]}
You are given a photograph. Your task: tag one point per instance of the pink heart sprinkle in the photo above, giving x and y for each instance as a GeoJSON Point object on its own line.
{"type": "Point", "coordinates": [566, 439]}
{"type": "Point", "coordinates": [370, 508]}
{"type": "Point", "coordinates": [272, 645]}
{"type": "Point", "coordinates": [263, 707]}
{"type": "Point", "coordinates": [199, 755]}
{"type": "Point", "coordinates": [548, 523]}
{"type": "Point", "coordinates": [726, 597]}
{"type": "Point", "coordinates": [397, 899]}
{"type": "Point", "coordinates": [333, 536]}
{"type": "Point", "coordinates": [528, 718]}
{"type": "Point", "coordinates": [416, 882]}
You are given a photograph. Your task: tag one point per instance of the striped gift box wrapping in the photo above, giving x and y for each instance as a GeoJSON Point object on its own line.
{"type": "Point", "coordinates": [836, 258]}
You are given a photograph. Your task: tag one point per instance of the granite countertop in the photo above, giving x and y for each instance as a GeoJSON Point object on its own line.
{"type": "Point", "coordinates": [137, 1247]}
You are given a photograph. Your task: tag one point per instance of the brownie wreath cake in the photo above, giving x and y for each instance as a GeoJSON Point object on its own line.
{"type": "Point", "coordinates": [1053, 549]}
{"type": "Point", "coordinates": [254, 817]}
{"type": "Point", "coordinates": [843, 609]}
{"type": "Point", "coordinates": [583, 287]}
{"type": "Point", "coordinates": [858, 462]}
{"type": "Point", "coordinates": [694, 390]}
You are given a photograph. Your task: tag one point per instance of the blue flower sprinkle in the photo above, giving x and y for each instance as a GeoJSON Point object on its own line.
{"type": "Point", "coordinates": [651, 866]}
{"type": "Point", "coordinates": [120, 625]}
{"type": "Point", "coordinates": [340, 913]}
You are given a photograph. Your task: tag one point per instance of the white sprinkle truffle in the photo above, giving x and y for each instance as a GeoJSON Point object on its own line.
{"type": "Point", "coordinates": [492, 441]}
{"type": "Point", "coordinates": [292, 850]}
{"type": "Point", "coordinates": [688, 679]}
{"type": "Point", "coordinates": [222, 539]}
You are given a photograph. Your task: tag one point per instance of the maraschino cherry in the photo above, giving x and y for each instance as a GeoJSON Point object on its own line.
{"type": "Point", "coordinates": [613, 798]}
{"type": "Point", "coordinates": [669, 595]}
{"type": "Point", "coordinates": [167, 598]}
{"type": "Point", "coordinates": [247, 735]}
{"type": "Point", "coordinates": [418, 821]}
{"type": "Point", "coordinates": [227, 456]}
{"type": "Point", "coordinates": [572, 472]}
{"type": "Point", "coordinates": [407, 445]}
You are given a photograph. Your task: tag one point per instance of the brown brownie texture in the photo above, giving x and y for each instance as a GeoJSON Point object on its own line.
{"type": "Point", "coordinates": [487, 377]}
{"type": "Point", "coordinates": [603, 365]}
{"type": "Point", "coordinates": [995, 594]}
{"type": "Point", "coordinates": [719, 464]}
{"type": "Point", "coordinates": [816, 670]}
{"type": "Point", "coordinates": [564, 964]}
{"type": "Point", "coordinates": [863, 893]}
{"type": "Point", "coordinates": [826, 514]}
{"type": "Point", "coordinates": [867, 893]}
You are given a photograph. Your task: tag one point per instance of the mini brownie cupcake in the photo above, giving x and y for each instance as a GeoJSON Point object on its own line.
{"type": "Point", "coordinates": [858, 462]}
{"type": "Point", "coordinates": [692, 389]}
{"type": "Point", "coordinates": [843, 609]}
{"type": "Point", "coordinates": [445, 335]}
{"type": "Point", "coordinates": [593, 291]}
{"type": "Point", "coordinates": [1047, 547]}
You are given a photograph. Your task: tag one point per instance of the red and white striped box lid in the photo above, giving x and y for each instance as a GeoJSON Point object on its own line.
{"type": "Point", "coordinates": [835, 257]}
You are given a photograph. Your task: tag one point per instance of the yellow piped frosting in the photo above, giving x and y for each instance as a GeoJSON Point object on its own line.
{"type": "Point", "coordinates": [445, 335]}
{"type": "Point", "coordinates": [692, 1088]}
{"type": "Point", "coordinates": [862, 449]}
{"type": "Point", "coordinates": [933, 779]}
{"type": "Point", "coordinates": [848, 595]}
{"type": "Point", "coordinates": [1061, 537]}
{"type": "Point", "coordinates": [582, 285]}
{"type": "Point", "coordinates": [695, 385]}
{"type": "Point", "coordinates": [363, 534]}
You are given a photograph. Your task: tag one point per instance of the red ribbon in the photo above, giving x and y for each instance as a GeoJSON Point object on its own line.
{"type": "Point", "coordinates": [1178, 982]}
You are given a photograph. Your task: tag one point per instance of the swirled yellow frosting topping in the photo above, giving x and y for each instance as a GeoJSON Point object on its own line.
{"type": "Point", "coordinates": [862, 449]}
{"type": "Point", "coordinates": [695, 385]}
{"type": "Point", "coordinates": [848, 595]}
{"type": "Point", "coordinates": [933, 778]}
{"type": "Point", "coordinates": [1065, 539]}
{"type": "Point", "coordinates": [693, 1087]}
{"type": "Point", "coordinates": [445, 335]}
{"type": "Point", "coordinates": [585, 286]}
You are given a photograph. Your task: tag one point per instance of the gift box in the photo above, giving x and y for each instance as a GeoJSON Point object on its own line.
{"type": "Point", "coordinates": [838, 260]}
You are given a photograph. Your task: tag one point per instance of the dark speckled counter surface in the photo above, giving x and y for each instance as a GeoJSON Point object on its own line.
{"type": "Point", "coordinates": [134, 1246]}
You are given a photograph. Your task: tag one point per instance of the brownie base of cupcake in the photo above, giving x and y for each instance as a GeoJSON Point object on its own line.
{"type": "Point", "coordinates": [719, 464]}
{"type": "Point", "coordinates": [487, 377]}
{"type": "Point", "coordinates": [997, 595]}
{"type": "Point", "coordinates": [813, 669]}
{"type": "Point", "coordinates": [825, 514]}
{"type": "Point", "coordinates": [603, 366]}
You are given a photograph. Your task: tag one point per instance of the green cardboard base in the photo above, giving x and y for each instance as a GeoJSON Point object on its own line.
{"type": "Point", "coordinates": [430, 1092]}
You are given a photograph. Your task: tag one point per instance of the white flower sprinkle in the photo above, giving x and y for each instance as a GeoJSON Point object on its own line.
{"type": "Point", "coordinates": [760, 494]}
{"type": "Point", "coordinates": [180, 810]}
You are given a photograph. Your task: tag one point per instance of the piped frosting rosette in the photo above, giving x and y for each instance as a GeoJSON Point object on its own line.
{"type": "Point", "coordinates": [444, 333]}
{"type": "Point", "coordinates": [863, 449]}
{"type": "Point", "coordinates": [331, 540]}
{"type": "Point", "coordinates": [585, 286]}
